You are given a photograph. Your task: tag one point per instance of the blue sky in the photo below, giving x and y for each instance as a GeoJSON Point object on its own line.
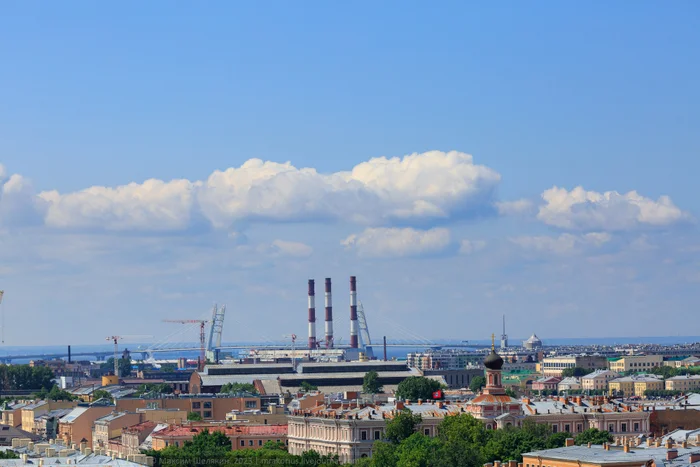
{"type": "Point", "coordinates": [602, 96]}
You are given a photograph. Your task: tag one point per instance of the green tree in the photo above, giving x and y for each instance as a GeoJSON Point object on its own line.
{"type": "Point", "coordinates": [305, 386]}
{"type": "Point", "coordinates": [371, 385]}
{"type": "Point", "coordinates": [124, 366]}
{"type": "Point", "coordinates": [56, 394]}
{"type": "Point", "coordinates": [510, 392]}
{"type": "Point", "coordinates": [419, 450]}
{"type": "Point", "coordinates": [575, 372]}
{"type": "Point", "coordinates": [8, 454]}
{"type": "Point", "coordinates": [417, 387]}
{"type": "Point", "coordinates": [477, 383]}
{"type": "Point", "coordinates": [275, 445]}
{"type": "Point", "coordinates": [383, 454]}
{"type": "Point", "coordinates": [403, 425]}
{"type": "Point", "coordinates": [593, 436]}
{"type": "Point", "coordinates": [462, 437]}
{"type": "Point", "coordinates": [194, 416]}
{"type": "Point", "coordinates": [235, 388]}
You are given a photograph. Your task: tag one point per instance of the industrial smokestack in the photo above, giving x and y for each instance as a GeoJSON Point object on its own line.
{"type": "Point", "coordinates": [69, 359]}
{"type": "Point", "coordinates": [353, 313]}
{"type": "Point", "coordinates": [329, 315]}
{"type": "Point", "coordinates": [312, 315]}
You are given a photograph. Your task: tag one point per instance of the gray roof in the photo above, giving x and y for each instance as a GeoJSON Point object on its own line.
{"type": "Point", "coordinates": [73, 414]}
{"type": "Point", "coordinates": [599, 456]}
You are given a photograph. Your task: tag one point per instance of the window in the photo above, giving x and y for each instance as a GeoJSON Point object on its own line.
{"type": "Point", "coordinates": [567, 428]}
{"type": "Point", "coordinates": [611, 428]}
{"type": "Point", "coordinates": [579, 428]}
{"type": "Point", "coordinates": [242, 443]}
{"type": "Point", "coordinates": [426, 432]}
{"type": "Point", "coordinates": [251, 404]}
{"type": "Point", "coordinates": [555, 428]}
{"type": "Point", "coordinates": [377, 434]}
{"type": "Point", "coordinates": [250, 443]}
{"type": "Point", "coordinates": [363, 435]}
{"type": "Point", "coordinates": [259, 442]}
{"type": "Point", "coordinates": [196, 405]}
{"type": "Point", "coordinates": [636, 427]}
{"type": "Point", "coordinates": [207, 405]}
{"type": "Point", "coordinates": [624, 428]}
{"type": "Point", "coordinates": [207, 414]}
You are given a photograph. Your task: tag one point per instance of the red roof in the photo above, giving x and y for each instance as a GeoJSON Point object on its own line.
{"type": "Point", "coordinates": [141, 426]}
{"type": "Point", "coordinates": [492, 398]}
{"type": "Point", "coordinates": [176, 431]}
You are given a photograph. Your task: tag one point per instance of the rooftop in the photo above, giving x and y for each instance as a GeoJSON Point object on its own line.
{"type": "Point", "coordinates": [180, 431]}
{"type": "Point", "coordinates": [615, 455]}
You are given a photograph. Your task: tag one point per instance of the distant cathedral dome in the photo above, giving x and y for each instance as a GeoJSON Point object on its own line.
{"type": "Point", "coordinates": [533, 342]}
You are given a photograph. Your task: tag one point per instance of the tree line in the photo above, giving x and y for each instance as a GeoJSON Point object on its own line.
{"type": "Point", "coordinates": [25, 377]}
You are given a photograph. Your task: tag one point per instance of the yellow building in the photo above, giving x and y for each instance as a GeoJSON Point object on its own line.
{"type": "Point", "coordinates": [32, 411]}
{"type": "Point", "coordinates": [683, 383]}
{"type": "Point", "coordinates": [637, 385]}
{"type": "Point", "coordinates": [639, 363]}
{"type": "Point", "coordinates": [647, 384]}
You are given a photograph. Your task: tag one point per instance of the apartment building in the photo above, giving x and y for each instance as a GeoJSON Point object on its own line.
{"type": "Point", "coordinates": [635, 384]}
{"type": "Point", "coordinates": [683, 383]}
{"type": "Point", "coordinates": [576, 414]}
{"type": "Point", "coordinates": [637, 363]}
{"type": "Point", "coordinates": [77, 425]}
{"type": "Point", "coordinates": [241, 436]}
{"type": "Point", "coordinates": [442, 359]}
{"type": "Point", "coordinates": [33, 411]}
{"type": "Point", "coordinates": [110, 426]}
{"type": "Point", "coordinates": [134, 436]}
{"type": "Point", "coordinates": [11, 414]}
{"type": "Point", "coordinates": [209, 407]}
{"type": "Point", "coordinates": [554, 366]}
{"type": "Point", "coordinates": [598, 380]}
{"type": "Point", "coordinates": [548, 383]}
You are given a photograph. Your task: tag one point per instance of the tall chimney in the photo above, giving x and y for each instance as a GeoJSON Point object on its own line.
{"type": "Point", "coordinates": [69, 359]}
{"type": "Point", "coordinates": [329, 315]}
{"type": "Point", "coordinates": [353, 313]}
{"type": "Point", "coordinates": [312, 315]}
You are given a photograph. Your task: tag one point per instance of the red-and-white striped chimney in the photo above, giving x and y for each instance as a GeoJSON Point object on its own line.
{"type": "Point", "coordinates": [312, 315]}
{"type": "Point", "coordinates": [354, 343]}
{"type": "Point", "coordinates": [329, 315]}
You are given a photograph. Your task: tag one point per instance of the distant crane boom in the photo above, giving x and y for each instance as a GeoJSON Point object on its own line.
{"type": "Point", "coordinates": [215, 332]}
{"type": "Point", "coordinates": [116, 340]}
{"type": "Point", "coordinates": [202, 347]}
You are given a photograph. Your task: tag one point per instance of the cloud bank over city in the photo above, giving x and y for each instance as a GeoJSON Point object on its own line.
{"type": "Point", "coordinates": [255, 232]}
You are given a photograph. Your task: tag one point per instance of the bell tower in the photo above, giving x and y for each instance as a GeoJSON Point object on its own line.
{"type": "Point", "coordinates": [493, 364]}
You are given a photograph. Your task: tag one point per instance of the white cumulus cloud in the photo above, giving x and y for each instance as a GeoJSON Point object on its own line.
{"type": "Point", "coordinates": [564, 243]}
{"type": "Point", "coordinates": [579, 209]}
{"type": "Point", "coordinates": [396, 242]}
{"type": "Point", "coordinates": [380, 191]}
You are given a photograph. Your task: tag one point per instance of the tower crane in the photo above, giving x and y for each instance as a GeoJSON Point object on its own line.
{"type": "Point", "coordinates": [202, 346]}
{"type": "Point", "coordinates": [116, 340]}
{"type": "Point", "coordinates": [294, 355]}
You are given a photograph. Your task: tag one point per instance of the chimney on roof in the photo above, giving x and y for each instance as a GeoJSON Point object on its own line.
{"type": "Point", "coordinates": [329, 315]}
{"type": "Point", "coordinates": [669, 443]}
{"type": "Point", "coordinates": [354, 342]}
{"type": "Point", "coordinates": [627, 447]}
{"type": "Point", "coordinates": [569, 442]}
{"type": "Point", "coordinates": [671, 454]}
{"type": "Point", "coordinates": [694, 457]}
{"type": "Point", "coordinates": [312, 315]}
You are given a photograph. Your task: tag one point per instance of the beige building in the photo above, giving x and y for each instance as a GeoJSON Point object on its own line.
{"type": "Point", "coordinates": [554, 366]}
{"type": "Point", "coordinates": [110, 427]}
{"type": "Point", "coordinates": [209, 408]}
{"type": "Point", "coordinates": [635, 385]}
{"type": "Point", "coordinates": [576, 414]}
{"type": "Point", "coordinates": [77, 425]}
{"type": "Point", "coordinates": [134, 436]}
{"type": "Point", "coordinates": [683, 383]}
{"type": "Point", "coordinates": [598, 380]}
{"type": "Point", "coordinates": [638, 363]}
{"type": "Point", "coordinates": [12, 414]}
{"type": "Point", "coordinates": [241, 436]}
{"type": "Point", "coordinates": [33, 411]}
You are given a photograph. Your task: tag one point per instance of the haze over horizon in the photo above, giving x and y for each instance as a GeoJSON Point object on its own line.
{"type": "Point", "coordinates": [463, 161]}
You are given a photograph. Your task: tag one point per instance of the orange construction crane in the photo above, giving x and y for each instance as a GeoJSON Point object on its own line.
{"type": "Point", "coordinates": [202, 323]}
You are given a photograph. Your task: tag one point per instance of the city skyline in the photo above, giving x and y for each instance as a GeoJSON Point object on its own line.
{"type": "Point", "coordinates": [506, 163]}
